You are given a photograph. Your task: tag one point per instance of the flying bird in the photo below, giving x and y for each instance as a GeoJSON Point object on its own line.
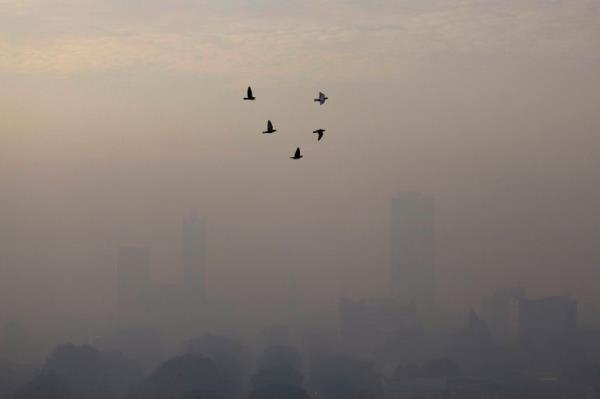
{"type": "Point", "coordinates": [249, 95]}
{"type": "Point", "coordinates": [322, 98]}
{"type": "Point", "coordinates": [297, 154]}
{"type": "Point", "coordinates": [270, 128]}
{"type": "Point", "coordinates": [320, 133]}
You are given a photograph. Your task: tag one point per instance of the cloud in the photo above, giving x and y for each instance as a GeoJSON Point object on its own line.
{"type": "Point", "coordinates": [341, 38]}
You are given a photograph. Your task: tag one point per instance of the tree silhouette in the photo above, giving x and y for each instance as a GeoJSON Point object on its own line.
{"type": "Point", "coordinates": [228, 355]}
{"type": "Point", "coordinates": [280, 355]}
{"type": "Point", "coordinates": [190, 374]}
{"type": "Point", "coordinates": [343, 377]}
{"type": "Point", "coordinates": [92, 374]}
{"type": "Point", "coordinates": [45, 385]}
{"type": "Point", "coordinates": [143, 345]}
{"type": "Point", "coordinates": [277, 375]}
{"type": "Point", "coordinates": [278, 392]}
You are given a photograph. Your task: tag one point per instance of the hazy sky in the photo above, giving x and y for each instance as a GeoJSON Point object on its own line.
{"type": "Point", "coordinates": [117, 117]}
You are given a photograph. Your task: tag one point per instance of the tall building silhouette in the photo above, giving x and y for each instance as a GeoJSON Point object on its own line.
{"type": "Point", "coordinates": [501, 312]}
{"type": "Point", "coordinates": [413, 253]}
{"type": "Point", "coordinates": [547, 319]}
{"type": "Point", "coordinates": [194, 250]}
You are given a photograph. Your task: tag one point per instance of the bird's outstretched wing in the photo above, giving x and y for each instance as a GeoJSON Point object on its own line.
{"type": "Point", "coordinates": [297, 154]}
{"type": "Point", "coordinates": [249, 92]}
{"type": "Point", "coordinates": [322, 98]}
{"type": "Point", "coordinates": [320, 136]}
{"type": "Point", "coordinates": [269, 125]}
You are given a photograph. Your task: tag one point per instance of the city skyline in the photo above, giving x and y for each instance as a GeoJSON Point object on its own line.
{"type": "Point", "coordinates": [439, 240]}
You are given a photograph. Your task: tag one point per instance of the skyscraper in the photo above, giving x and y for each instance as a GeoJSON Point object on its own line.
{"type": "Point", "coordinates": [194, 250]}
{"type": "Point", "coordinates": [501, 312]}
{"type": "Point", "coordinates": [547, 319]}
{"type": "Point", "coordinates": [413, 233]}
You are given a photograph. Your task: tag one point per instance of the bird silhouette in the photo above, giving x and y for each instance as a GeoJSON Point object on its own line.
{"type": "Point", "coordinates": [322, 98]}
{"type": "Point", "coordinates": [270, 128]}
{"type": "Point", "coordinates": [320, 133]}
{"type": "Point", "coordinates": [249, 95]}
{"type": "Point", "coordinates": [297, 154]}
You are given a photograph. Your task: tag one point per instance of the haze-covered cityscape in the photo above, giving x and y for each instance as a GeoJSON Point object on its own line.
{"type": "Point", "coordinates": [434, 235]}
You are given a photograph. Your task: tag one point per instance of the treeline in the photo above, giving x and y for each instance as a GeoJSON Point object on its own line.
{"type": "Point", "coordinates": [209, 367]}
